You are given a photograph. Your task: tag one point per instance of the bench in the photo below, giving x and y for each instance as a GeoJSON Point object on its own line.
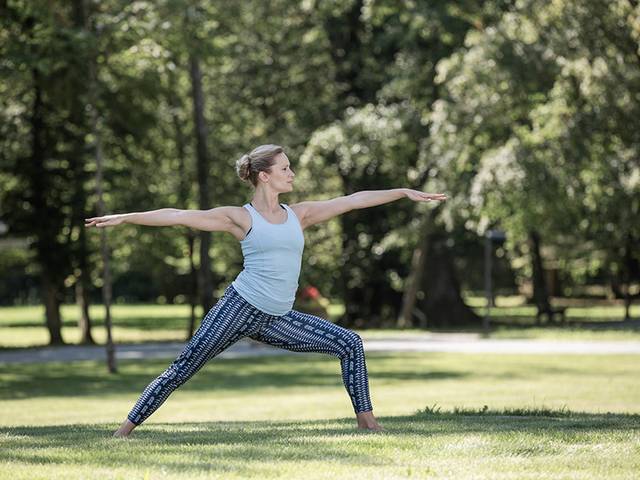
{"type": "Point", "coordinates": [551, 313]}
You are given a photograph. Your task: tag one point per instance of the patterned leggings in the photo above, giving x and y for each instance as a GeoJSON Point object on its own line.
{"type": "Point", "coordinates": [233, 318]}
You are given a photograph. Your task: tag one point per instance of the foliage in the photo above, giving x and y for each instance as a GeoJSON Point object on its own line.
{"type": "Point", "coordinates": [522, 112]}
{"type": "Point", "coordinates": [535, 129]}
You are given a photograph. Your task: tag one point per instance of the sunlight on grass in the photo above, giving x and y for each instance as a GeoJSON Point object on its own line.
{"type": "Point", "coordinates": [515, 305]}
{"type": "Point", "coordinates": [446, 416]}
{"type": "Point", "coordinates": [24, 326]}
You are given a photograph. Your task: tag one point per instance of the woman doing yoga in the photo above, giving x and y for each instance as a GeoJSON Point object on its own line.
{"type": "Point", "coordinates": [257, 304]}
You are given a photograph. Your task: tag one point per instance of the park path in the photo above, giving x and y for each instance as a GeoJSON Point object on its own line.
{"type": "Point", "coordinates": [431, 342]}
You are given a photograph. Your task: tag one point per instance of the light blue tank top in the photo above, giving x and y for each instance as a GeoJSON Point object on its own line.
{"type": "Point", "coordinates": [272, 260]}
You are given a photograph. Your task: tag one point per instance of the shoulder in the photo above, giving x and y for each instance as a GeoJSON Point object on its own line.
{"type": "Point", "coordinates": [299, 209]}
{"type": "Point", "coordinates": [316, 211]}
{"type": "Point", "coordinates": [303, 210]}
{"type": "Point", "coordinates": [238, 215]}
{"type": "Point", "coordinates": [238, 220]}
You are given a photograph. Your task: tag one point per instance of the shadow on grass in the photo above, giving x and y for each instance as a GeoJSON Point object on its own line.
{"type": "Point", "coordinates": [595, 324]}
{"type": "Point", "coordinates": [247, 445]}
{"type": "Point", "coordinates": [138, 323]}
{"type": "Point", "coordinates": [90, 378]}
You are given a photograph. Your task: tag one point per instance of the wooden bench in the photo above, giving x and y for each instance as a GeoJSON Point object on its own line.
{"type": "Point", "coordinates": [551, 313]}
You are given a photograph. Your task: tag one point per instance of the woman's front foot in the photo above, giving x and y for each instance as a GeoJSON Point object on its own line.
{"type": "Point", "coordinates": [366, 421]}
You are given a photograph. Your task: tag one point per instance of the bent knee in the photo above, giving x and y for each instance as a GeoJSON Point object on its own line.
{"type": "Point", "coordinates": [352, 342]}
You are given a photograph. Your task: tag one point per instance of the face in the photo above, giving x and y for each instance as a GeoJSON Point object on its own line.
{"type": "Point", "coordinates": [281, 176]}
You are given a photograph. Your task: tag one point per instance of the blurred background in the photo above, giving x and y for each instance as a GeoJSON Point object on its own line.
{"type": "Point", "coordinates": [525, 113]}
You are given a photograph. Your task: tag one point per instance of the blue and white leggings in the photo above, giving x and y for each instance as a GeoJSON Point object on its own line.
{"type": "Point", "coordinates": [233, 318]}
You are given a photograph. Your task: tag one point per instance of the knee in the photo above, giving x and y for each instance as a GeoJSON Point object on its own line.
{"type": "Point", "coordinates": [356, 341]}
{"type": "Point", "coordinates": [353, 343]}
{"type": "Point", "coordinates": [175, 375]}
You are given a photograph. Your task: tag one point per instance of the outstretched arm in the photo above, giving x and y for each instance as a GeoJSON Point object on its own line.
{"type": "Point", "coordinates": [215, 219]}
{"type": "Point", "coordinates": [310, 213]}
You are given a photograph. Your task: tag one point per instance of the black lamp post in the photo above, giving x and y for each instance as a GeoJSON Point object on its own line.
{"type": "Point", "coordinates": [490, 237]}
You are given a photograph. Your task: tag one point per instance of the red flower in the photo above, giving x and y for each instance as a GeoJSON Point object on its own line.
{"type": "Point", "coordinates": [310, 292]}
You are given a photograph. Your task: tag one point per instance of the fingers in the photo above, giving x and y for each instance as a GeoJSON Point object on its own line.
{"type": "Point", "coordinates": [96, 222]}
{"type": "Point", "coordinates": [431, 196]}
{"type": "Point", "coordinates": [436, 196]}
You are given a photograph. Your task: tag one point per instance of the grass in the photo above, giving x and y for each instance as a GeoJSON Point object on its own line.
{"type": "Point", "coordinates": [446, 415]}
{"type": "Point", "coordinates": [24, 326]}
{"type": "Point", "coordinates": [514, 310]}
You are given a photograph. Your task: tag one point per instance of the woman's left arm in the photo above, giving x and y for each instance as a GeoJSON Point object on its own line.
{"type": "Point", "coordinates": [313, 212]}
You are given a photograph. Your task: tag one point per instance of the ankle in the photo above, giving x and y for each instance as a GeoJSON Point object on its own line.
{"type": "Point", "coordinates": [125, 429]}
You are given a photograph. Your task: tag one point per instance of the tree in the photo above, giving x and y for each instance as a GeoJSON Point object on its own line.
{"type": "Point", "coordinates": [533, 121]}
{"type": "Point", "coordinates": [41, 57]}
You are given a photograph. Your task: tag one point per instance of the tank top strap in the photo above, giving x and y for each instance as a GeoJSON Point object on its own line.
{"type": "Point", "coordinates": [250, 209]}
{"type": "Point", "coordinates": [257, 215]}
{"type": "Point", "coordinates": [253, 215]}
{"type": "Point", "coordinates": [292, 215]}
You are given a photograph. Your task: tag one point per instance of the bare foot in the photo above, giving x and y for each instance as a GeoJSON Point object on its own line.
{"type": "Point", "coordinates": [125, 429]}
{"type": "Point", "coordinates": [366, 421]}
{"type": "Point", "coordinates": [373, 428]}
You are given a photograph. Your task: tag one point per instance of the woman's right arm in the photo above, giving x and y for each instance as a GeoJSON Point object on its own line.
{"type": "Point", "coordinates": [220, 219]}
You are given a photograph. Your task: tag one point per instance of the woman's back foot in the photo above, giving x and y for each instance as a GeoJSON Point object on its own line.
{"type": "Point", "coordinates": [125, 429]}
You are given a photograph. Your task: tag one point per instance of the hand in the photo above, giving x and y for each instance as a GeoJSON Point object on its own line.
{"type": "Point", "coordinates": [104, 221]}
{"type": "Point", "coordinates": [419, 196]}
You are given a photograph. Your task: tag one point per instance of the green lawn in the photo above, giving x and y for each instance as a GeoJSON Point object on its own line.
{"type": "Point", "coordinates": [24, 326]}
{"type": "Point", "coordinates": [447, 416]}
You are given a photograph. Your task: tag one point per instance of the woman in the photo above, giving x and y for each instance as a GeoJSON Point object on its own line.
{"type": "Point", "coordinates": [258, 302]}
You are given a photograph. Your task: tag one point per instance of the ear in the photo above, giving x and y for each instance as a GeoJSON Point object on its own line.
{"type": "Point", "coordinates": [264, 176]}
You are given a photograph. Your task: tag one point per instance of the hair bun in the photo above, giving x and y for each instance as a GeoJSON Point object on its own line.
{"type": "Point", "coordinates": [260, 159]}
{"type": "Point", "coordinates": [243, 167]}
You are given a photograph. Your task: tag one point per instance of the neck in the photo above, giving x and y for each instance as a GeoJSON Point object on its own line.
{"type": "Point", "coordinates": [266, 201]}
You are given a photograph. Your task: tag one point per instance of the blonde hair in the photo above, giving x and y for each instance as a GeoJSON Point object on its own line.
{"type": "Point", "coordinates": [261, 159]}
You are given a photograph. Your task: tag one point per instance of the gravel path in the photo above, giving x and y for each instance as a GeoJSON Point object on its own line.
{"type": "Point", "coordinates": [458, 343]}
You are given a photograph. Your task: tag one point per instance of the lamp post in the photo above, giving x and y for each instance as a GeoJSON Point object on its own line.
{"type": "Point", "coordinates": [490, 237]}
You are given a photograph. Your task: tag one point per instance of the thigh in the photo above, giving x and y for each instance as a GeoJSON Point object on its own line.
{"type": "Point", "coordinates": [303, 332]}
{"type": "Point", "coordinates": [229, 320]}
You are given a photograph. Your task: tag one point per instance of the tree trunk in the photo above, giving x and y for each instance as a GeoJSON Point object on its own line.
{"type": "Point", "coordinates": [614, 285]}
{"type": "Point", "coordinates": [82, 300]}
{"type": "Point", "coordinates": [352, 294]}
{"type": "Point", "coordinates": [76, 159]}
{"type": "Point", "coordinates": [104, 247]}
{"type": "Point", "coordinates": [629, 267]}
{"type": "Point", "coordinates": [51, 295]}
{"type": "Point", "coordinates": [540, 290]}
{"type": "Point", "coordinates": [345, 37]}
{"type": "Point", "coordinates": [443, 304]}
{"type": "Point", "coordinates": [414, 280]}
{"type": "Point", "coordinates": [193, 286]}
{"type": "Point", "coordinates": [183, 197]}
{"type": "Point", "coordinates": [202, 169]}
{"type": "Point", "coordinates": [104, 250]}
{"type": "Point", "coordinates": [47, 247]}
{"type": "Point", "coordinates": [82, 288]}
